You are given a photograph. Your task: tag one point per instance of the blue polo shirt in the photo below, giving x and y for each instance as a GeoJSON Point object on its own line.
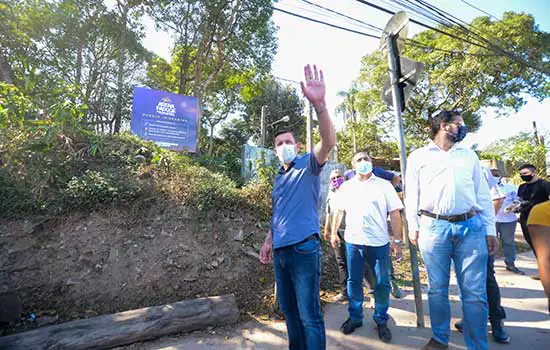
{"type": "Point", "coordinates": [295, 199]}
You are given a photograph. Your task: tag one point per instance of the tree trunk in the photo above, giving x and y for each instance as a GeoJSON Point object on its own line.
{"type": "Point", "coordinates": [211, 143]}
{"type": "Point", "coordinates": [108, 331]}
{"type": "Point", "coordinates": [5, 69]}
{"type": "Point", "coordinates": [123, 8]}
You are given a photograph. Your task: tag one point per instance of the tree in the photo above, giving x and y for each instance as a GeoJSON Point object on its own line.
{"type": "Point", "coordinates": [520, 149]}
{"type": "Point", "coordinates": [463, 76]}
{"type": "Point", "coordinates": [212, 36]}
{"type": "Point", "coordinates": [280, 100]}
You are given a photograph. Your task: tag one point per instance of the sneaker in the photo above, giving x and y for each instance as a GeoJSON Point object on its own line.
{"type": "Point", "coordinates": [395, 291]}
{"type": "Point", "coordinates": [459, 326]}
{"type": "Point", "coordinates": [349, 326]}
{"type": "Point", "coordinates": [434, 344]}
{"type": "Point", "coordinates": [384, 333]}
{"type": "Point", "coordinates": [340, 298]}
{"type": "Point", "coordinates": [499, 333]}
{"type": "Point", "coordinates": [514, 269]}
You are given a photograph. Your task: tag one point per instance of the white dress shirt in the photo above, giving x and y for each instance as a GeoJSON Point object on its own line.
{"type": "Point", "coordinates": [511, 194]}
{"type": "Point", "coordinates": [367, 205]}
{"type": "Point", "coordinates": [446, 183]}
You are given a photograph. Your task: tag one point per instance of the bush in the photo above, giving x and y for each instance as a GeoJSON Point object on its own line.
{"type": "Point", "coordinates": [94, 188]}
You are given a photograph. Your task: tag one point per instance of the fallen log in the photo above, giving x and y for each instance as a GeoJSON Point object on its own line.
{"type": "Point", "coordinates": [104, 332]}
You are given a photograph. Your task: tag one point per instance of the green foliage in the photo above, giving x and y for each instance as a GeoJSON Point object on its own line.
{"type": "Point", "coordinates": [280, 100]}
{"type": "Point", "coordinates": [94, 188]}
{"type": "Point", "coordinates": [520, 149]}
{"type": "Point", "coordinates": [462, 76]}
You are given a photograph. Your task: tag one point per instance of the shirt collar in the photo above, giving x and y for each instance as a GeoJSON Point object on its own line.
{"type": "Point", "coordinates": [433, 146]}
{"type": "Point", "coordinates": [290, 166]}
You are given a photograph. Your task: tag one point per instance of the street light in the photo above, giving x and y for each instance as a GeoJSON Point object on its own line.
{"type": "Point", "coordinates": [284, 119]}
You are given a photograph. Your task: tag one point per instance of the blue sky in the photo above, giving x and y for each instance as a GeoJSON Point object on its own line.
{"type": "Point", "coordinates": [339, 53]}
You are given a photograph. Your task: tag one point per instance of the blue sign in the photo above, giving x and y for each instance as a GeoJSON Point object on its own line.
{"type": "Point", "coordinates": [170, 120]}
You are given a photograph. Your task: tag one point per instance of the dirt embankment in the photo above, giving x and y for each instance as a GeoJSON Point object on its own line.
{"type": "Point", "coordinates": [83, 265]}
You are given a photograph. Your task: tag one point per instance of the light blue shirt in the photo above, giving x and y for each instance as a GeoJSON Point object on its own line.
{"type": "Point", "coordinates": [295, 200]}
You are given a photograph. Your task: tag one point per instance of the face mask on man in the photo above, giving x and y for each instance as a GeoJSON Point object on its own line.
{"type": "Point", "coordinates": [286, 153]}
{"type": "Point", "coordinates": [336, 183]}
{"type": "Point", "coordinates": [460, 134]}
{"type": "Point", "coordinates": [363, 167]}
{"type": "Point", "coordinates": [527, 178]}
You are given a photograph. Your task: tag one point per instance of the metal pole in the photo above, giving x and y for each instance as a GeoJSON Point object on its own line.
{"type": "Point", "coordinates": [262, 127]}
{"type": "Point", "coordinates": [393, 59]}
{"type": "Point", "coordinates": [309, 141]}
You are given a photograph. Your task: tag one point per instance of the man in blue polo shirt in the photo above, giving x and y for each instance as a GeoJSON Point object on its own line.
{"type": "Point", "coordinates": [293, 240]}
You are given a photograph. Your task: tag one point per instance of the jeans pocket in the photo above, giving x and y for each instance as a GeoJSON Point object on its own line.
{"type": "Point", "coordinates": [308, 247]}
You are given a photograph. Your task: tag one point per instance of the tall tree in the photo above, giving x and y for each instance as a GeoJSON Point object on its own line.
{"type": "Point", "coordinates": [279, 101]}
{"type": "Point", "coordinates": [213, 35]}
{"type": "Point", "coordinates": [462, 76]}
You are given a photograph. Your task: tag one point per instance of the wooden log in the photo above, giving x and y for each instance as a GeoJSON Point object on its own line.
{"type": "Point", "coordinates": [128, 327]}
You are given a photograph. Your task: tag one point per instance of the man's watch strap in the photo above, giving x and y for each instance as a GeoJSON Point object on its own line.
{"type": "Point", "coordinates": [397, 241]}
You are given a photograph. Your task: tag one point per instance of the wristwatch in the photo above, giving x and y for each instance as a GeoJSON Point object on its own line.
{"type": "Point", "coordinates": [397, 241]}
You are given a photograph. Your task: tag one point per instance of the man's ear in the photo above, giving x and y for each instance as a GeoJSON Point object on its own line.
{"type": "Point", "coordinates": [298, 147]}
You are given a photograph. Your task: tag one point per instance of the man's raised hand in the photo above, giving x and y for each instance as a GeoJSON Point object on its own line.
{"type": "Point", "coordinates": [314, 87]}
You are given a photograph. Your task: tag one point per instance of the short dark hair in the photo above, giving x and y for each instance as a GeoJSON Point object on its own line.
{"type": "Point", "coordinates": [442, 117]}
{"type": "Point", "coordinates": [280, 132]}
{"type": "Point", "coordinates": [527, 166]}
{"type": "Point", "coordinates": [360, 152]}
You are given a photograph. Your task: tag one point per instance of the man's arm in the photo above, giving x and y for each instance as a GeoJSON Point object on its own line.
{"type": "Point", "coordinates": [266, 251]}
{"type": "Point", "coordinates": [497, 204]}
{"type": "Point", "coordinates": [314, 91]}
{"type": "Point", "coordinates": [412, 195]}
{"type": "Point", "coordinates": [396, 225]}
{"type": "Point", "coordinates": [338, 216]}
{"type": "Point", "coordinates": [483, 197]}
{"type": "Point", "coordinates": [328, 227]}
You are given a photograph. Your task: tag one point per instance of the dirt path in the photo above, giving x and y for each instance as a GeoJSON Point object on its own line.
{"type": "Point", "coordinates": [523, 298]}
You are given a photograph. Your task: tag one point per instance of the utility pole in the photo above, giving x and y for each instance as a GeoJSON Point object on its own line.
{"type": "Point", "coordinates": [309, 138]}
{"type": "Point", "coordinates": [398, 102]}
{"type": "Point", "coordinates": [263, 128]}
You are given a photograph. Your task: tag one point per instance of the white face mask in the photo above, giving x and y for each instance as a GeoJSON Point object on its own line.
{"type": "Point", "coordinates": [286, 153]}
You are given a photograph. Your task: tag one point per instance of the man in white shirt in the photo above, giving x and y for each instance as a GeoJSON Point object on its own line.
{"type": "Point", "coordinates": [451, 218]}
{"type": "Point", "coordinates": [367, 200]}
{"type": "Point", "coordinates": [506, 222]}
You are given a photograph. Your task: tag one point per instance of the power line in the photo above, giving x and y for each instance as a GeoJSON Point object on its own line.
{"type": "Point", "coordinates": [509, 55]}
{"type": "Point", "coordinates": [373, 27]}
{"type": "Point", "coordinates": [325, 23]}
{"type": "Point", "coordinates": [413, 42]}
{"type": "Point", "coordinates": [480, 10]}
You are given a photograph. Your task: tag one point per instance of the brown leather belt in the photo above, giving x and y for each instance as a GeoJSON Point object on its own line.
{"type": "Point", "coordinates": [450, 218]}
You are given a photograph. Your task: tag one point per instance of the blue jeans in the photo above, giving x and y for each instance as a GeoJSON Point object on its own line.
{"type": "Point", "coordinates": [298, 277]}
{"type": "Point", "coordinates": [464, 243]}
{"type": "Point", "coordinates": [507, 233]}
{"type": "Point", "coordinates": [380, 259]}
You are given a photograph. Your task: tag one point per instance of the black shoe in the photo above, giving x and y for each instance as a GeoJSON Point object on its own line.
{"type": "Point", "coordinates": [349, 326]}
{"type": "Point", "coordinates": [499, 333]}
{"type": "Point", "coordinates": [395, 291]}
{"type": "Point", "coordinates": [459, 326]}
{"type": "Point", "coordinates": [384, 333]}
{"type": "Point", "coordinates": [514, 269]}
{"type": "Point", "coordinates": [434, 344]}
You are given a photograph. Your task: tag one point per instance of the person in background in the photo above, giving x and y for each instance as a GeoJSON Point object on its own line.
{"type": "Point", "coordinates": [336, 180]}
{"type": "Point", "coordinates": [395, 180]}
{"type": "Point", "coordinates": [538, 223]}
{"type": "Point", "coordinates": [496, 311]}
{"type": "Point", "coordinates": [535, 190]}
{"type": "Point", "coordinates": [292, 242]}
{"type": "Point", "coordinates": [451, 218]}
{"type": "Point", "coordinates": [506, 222]}
{"type": "Point", "coordinates": [367, 201]}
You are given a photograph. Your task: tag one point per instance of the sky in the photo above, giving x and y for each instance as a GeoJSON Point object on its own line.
{"type": "Point", "coordinates": [339, 53]}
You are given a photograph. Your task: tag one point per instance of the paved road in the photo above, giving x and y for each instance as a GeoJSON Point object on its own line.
{"type": "Point", "coordinates": [523, 298]}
